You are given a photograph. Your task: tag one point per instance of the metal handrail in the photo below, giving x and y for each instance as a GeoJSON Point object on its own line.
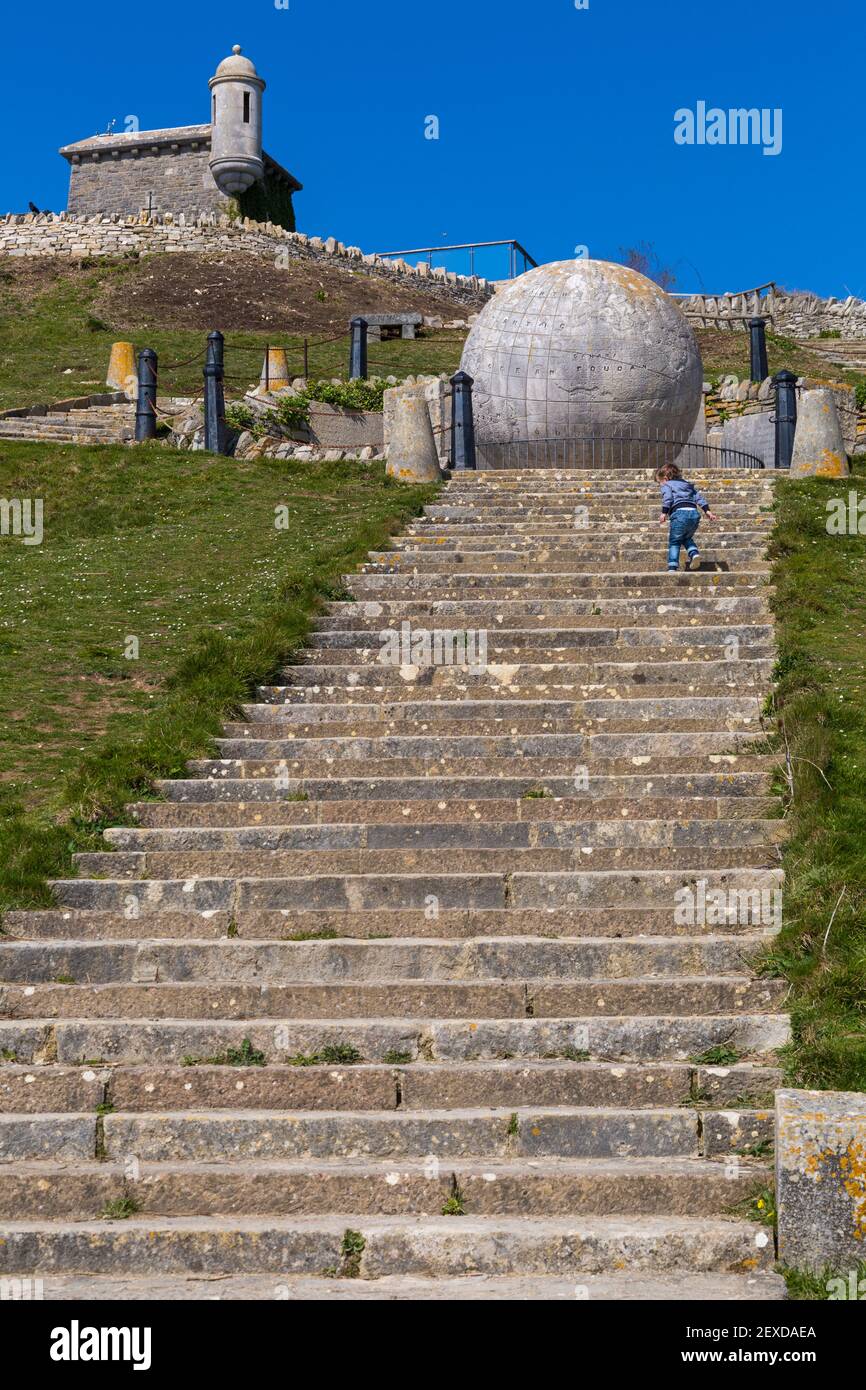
{"type": "Point", "coordinates": [471, 246]}
{"type": "Point", "coordinates": [610, 451]}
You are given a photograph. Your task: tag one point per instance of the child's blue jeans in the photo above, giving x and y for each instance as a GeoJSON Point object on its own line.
{"type": "Point", "coordinates": [684, 524]}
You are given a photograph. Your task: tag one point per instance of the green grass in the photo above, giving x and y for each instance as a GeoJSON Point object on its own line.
{"type": "Point", "coordinates": [53, 348]}
{"type": "Point", "coordinates": [179, 550]}
{"type": "Point", "coordinates": [820, 606]}
{"type": "Point", "coordinates": [830, 1286]}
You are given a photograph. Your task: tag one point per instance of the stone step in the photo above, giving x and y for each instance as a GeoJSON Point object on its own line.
{"type": "Point", "coordinates": [56, 1088]}
{"type": "Point", "coordinates": [551, 681]}
{"type": "Point", "coordinates": [629, 537]}
{"type": "Point", "coordinates": [650, 635]}
{"type": "Point", "coordinates": [643, 1038]}
{"type": "Point", "coordinates": [673, 1186]}
{"type": "Point", "coordinates": [283, 924]}
{"type": "Point", "coordinates": [763, 1287]}
{"type": "Point", "coordinates": [718, 775]}
{"type": "Point", "coordinates": [527, 612]}
{"type": "Point", "coordinates": [553, 560]}
{"type": "Point", "coordinates": [488, 1132]}
{"type": "Point", "coordinates": [559, 716]}
{"type": "Point", "coordinates": [264, 962]}
{"type": "Point", "coordinates": [502, 663]}
{"type": "Point", "coordinates": [292, 864]}
{"type": "Point", "coordinates": [395, 998]}
{"type": "Point", "coordinates": [540, 584]}
{"type": "Point", "coordinates": [418, 1246]}
{"type": "Point", "coordinates": [625, 888]}
{"type": "Point", "coordinates": [228, 815]}
{"type": "Point", "coordinates": [514, 834]}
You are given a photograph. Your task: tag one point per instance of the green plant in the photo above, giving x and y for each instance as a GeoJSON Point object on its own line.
{"type": "Point", "coordinates": [720, 1056]}
{"type": "Point", "coordinates": [395, 1058]}
{"type": "Point", "coordinates": [120, 1209]}
{"type": "Point", "coordinates": [240, 417]}
{"type": "Point", "coordinates": [290, 413]}
{"type": "Point", "coordinates": [351, 1249]}
{"type": "Point", "coordinates": [513, 1124]}
{"type": "Point", "coordinates": [454, 1205]}
{"type": "Point", "coordinates": [244, 1056]}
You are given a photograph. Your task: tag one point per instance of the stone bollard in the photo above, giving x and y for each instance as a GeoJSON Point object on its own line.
{"type": "Point", "coordinates": [275, 371]}
{"type": "Point", "coordinates": [819, 450]}
{"type": "Point", "coordinates": [122, 374]}
{"type": "Point", "coordinates": [412, 455]}
{"type": "Point", "coordinates": [821, 1179]}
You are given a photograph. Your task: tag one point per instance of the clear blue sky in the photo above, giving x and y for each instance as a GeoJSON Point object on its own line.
{"type": "Point", "coordinates": [556, 125]}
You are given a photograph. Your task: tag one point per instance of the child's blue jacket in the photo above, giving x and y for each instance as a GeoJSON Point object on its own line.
{"type": "Point", "coordinates": [679, 492]}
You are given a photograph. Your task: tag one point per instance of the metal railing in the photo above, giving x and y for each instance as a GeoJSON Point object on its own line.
{"type": "Point", "coordinates": [610, 451]}
{"type": "Point", "coordinates": [515, 250]}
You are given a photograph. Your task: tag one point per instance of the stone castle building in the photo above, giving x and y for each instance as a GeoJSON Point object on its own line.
{"type": "Point", "coordinates": [219, 167]}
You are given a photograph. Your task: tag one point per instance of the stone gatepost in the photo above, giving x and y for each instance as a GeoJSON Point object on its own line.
{"type": "Point", "coordinates": [821, 1179]}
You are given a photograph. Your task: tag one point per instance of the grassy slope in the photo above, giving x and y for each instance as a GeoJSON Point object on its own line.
{"type": "Point", "coordinates": [181, 551]}
{"type": "Point", "coordinates": [724, 353]}
{"type": "Point", "coordinates": [820, 606]}
{"type": "Point", "coordinates": [55, 345]}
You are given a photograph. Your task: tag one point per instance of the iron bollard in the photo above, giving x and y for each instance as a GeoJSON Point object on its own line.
{"type": "Point", "coordinates": [214, 395]}
{"type": "Point", "coordinates": [462, 424]}
{"type": "Point", "coordinates": [758, 331]}
{"type": "Point", "coordinates": [785, 418]}
{"type": "Point", "coordinates": [358, 349]}
{"type": "Point", "coordinates": [145, 406]}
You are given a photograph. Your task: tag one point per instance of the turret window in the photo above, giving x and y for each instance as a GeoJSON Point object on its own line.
{"type": "Point", "coordinates": [246, 108]}
{"type": "Point", "coordinates": [213, 117]}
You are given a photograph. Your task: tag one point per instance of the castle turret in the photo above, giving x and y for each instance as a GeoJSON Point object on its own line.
{"type": "Point", "coordinates": [236, 117]}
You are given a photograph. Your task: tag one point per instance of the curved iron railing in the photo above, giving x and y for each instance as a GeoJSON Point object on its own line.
{"type": "Point", "coordinates": [610, 451]}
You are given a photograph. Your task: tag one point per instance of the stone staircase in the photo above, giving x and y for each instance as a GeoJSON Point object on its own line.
{"type": "Point", "coordinates": [94, 424]}
{"type": "Point", "coordinates": [438, 902]}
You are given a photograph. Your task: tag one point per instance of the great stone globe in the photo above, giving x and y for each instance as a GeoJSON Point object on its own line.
{"type": "Point", "coordinates": [580, 350]}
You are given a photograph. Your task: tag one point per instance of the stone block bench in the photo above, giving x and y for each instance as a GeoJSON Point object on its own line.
{"type": "Point", "coordinates": [381, 326]}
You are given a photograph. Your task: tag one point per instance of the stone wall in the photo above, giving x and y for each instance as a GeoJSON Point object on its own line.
{"type": "Point", "coordinates": [796, 315]}
{"type": "Point", "coordinates": [62, 234]}
{"type": "Point", "coordinates": [180, 181]}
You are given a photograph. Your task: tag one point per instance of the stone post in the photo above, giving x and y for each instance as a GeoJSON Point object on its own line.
{"type": "Point", "coordinates": [758, 331]}
{"type": "Point", "coordinates": [214, 395]}
{"type": "Point", "coordinates": [462, 424]}
{"type": "Point", "coordinates": [145, 409]}
{"type": "Point", "coordinates": [121, 372]}
{"type": "Point", "coordinates": [819, 449]}
{"type": "Point", "coordinates": [358, 349]}
{"type": "Point", "coordinates": [785, 418]}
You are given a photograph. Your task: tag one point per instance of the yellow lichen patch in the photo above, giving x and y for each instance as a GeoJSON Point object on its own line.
{"type": "Point", "coordinates": [831, 465]}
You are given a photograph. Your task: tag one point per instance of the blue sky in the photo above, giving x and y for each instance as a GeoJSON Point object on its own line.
{"type": "Point", "coordinates": [556, 125]}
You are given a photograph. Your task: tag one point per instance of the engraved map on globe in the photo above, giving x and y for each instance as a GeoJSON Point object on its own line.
{"type": "Point", "coordinates": [578, 348]}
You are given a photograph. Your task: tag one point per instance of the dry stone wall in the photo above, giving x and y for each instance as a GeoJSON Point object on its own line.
{"type": "Point", "coordinates": [796, 315]}
{"type": "Point", "coordinates": [61, 234]}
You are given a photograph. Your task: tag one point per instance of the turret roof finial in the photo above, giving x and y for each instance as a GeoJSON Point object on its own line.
{"type": "Point", "coordinates": [236, 48]}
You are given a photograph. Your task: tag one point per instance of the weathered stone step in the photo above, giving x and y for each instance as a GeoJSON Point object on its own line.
{"type": "Point", "coordinates": [56, 1088]}
{"type": "Point", "coordinates": [277, 863]}
{"type": "Point", "coordinates": [649, 634]}
{"type": "Point", "coordinates": [630, 888]}
{"type": "Point", "coordinates": [590, 649]}
{"type": "Point", "coordinates": [645, 1038]}
{"type": "Point", "coordinates": [488, 1132]}
{"type": "Point", "coordinates": [487, 834]}
{"type": "Point", "coordinates": [649, 1186]}
{"type": "Point", "coordinates": [366, 587]}
{"type": "Point", "coordinates": [425, 1246]}
{"type": "Point", "coordinates": [395, 998]}
{"type": "Point", "coordinates": [528, 612]}
{"type": "Point", "coordinates": [284, 924]}
{"type": "Point", "coordinates": [763, 1286]}
{"type": "Point", "coordinates": [718, 775]}
{"type": "Point", "coordinates": [629, 538]}
{"type": "Point", "coordinates": [264, 962]}
{"type": "Point", "coordinates": [554, 560]}
{"type": "Point", "coordinates": [228, 815]}
{"type": "Point", "coordinates": [548, 681]}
